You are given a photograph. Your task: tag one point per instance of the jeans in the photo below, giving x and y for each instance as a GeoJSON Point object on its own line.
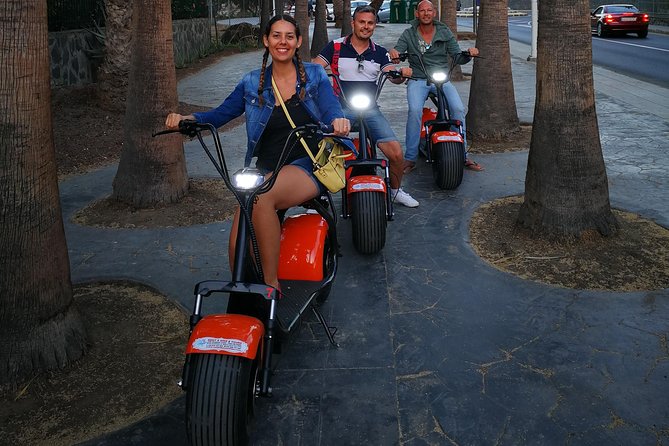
{"type": "Point", "coordinates": [417, 92]}
{"type": "Point", "coordinates": [378, 127]}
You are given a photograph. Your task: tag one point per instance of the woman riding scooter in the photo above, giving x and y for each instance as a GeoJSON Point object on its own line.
{"type": "Point", "coordinates": [308, 95]}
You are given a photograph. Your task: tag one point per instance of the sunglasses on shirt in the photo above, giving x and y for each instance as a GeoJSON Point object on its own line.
{"type": "Point", "coordinates": [360, 59]}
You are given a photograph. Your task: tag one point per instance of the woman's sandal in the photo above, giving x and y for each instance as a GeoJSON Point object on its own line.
{"type": "Point", "coordinates": [473, 165]}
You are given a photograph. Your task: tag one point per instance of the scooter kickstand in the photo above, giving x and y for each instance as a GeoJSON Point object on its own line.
{"type": "Point", "coordinates": [329, 331]}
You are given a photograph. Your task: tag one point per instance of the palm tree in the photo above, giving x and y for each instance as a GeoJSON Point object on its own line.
{"type": "Point", "coordinates": [566, 190]}
{"type": "Point", "coordinates": [40, 328]}
{"type": "Point", "coordinates": [302, 19]}
{"type": "Point", "coordinates": [265, 15]}
{"type": "Point", "coordinates": [449, 17]}
{"type": "Point", "coordinates": [338, 7]}
{"type": "Point", "coordinates": [151, 170]}
{"type": "Point", "coordinates": [320, 37]}
{"type": "Point", "coordinates": [492, 105]}
{"type": "Point", "coordinates": [112, 84]}
{"type": "Point", "coordinates": [346, 27]}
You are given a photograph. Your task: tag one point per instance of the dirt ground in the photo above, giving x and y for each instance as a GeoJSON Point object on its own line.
{"type": "Point", "coordinates": [140, 336]}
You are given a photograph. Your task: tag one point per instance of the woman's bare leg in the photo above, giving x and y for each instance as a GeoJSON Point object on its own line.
{"type": "Point", "coordinates": [293, 186]}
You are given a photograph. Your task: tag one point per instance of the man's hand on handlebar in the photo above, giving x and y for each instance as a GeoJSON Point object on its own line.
{"type": "Point", "coordinates": [473, 52]}
{"type": "Point", "coordinates": [173, 119]}
{"type": "Point", "coordinates": [394, 55]}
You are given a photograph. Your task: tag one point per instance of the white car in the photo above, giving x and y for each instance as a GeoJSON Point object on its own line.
{"type": "Point", "coordinates": [356, 3]}
{"type": "Point", "coordinates": [383, 16]}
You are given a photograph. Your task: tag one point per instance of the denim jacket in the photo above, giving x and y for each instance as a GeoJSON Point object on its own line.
{"type": "Point", "coordinates": [319, 101]}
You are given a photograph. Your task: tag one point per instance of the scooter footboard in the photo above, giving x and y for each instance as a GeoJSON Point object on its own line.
{"type": "Point", "coordinates": [227, 334]}
{"type": "Point", "coordinates": [302, 247]}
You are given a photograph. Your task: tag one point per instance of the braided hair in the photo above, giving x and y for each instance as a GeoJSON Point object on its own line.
{"type": "Point", "coordinates": [300, 66]}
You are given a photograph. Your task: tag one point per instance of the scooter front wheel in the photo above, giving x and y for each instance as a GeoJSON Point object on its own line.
{"type": "Point", "coordinates": [220, 399]}
{"type": "Point", "coordinates": [369, 221]}
{"type": "Point", "coordinates": [448, 164]}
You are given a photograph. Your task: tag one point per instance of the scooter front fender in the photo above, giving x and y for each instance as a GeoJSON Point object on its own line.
{"type": "Point", "coordinates": [302, 247]}
{"type": "Point", "coordinates": [227, 334]}
{"type": "Point", "coordinates": [362, 183]}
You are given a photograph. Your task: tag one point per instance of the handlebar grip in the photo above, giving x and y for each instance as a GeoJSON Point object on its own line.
{"type": "Point", "coordinates": [394, 74]}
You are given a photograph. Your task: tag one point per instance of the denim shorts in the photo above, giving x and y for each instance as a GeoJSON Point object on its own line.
{"type": "Point", "coordinates": [377, 125]}
{"type": "Point", "coordinates": [306, 164]}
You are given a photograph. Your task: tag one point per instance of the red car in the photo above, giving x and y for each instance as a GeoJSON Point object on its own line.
{"type": "Point", "coordinates": [607, 19]}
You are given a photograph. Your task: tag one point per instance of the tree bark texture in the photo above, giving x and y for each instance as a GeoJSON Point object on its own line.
{"type": "Point", "coordinates": [302, 19]}
{"type": "Point", "coordinates": [376, 4]}
{"type": "Point", "coordinates": [346, 27]}
{"type": "Point", "coordinates": [40, 328]}
{"type": "Point", "coordinates": [492, 112]}
{"type": "Point", "coordinates": [112, 84]}
{"type": "Point", "coordinates": [448, 16]}
{"type": "Point", "coordinates": [338, 8]}
{"type": "Point", "coordinates": [566, 189]}
{"type": "Point", "coordinates": [320, 37]}
{"type": "Point", "coordinates": [265, 16]}
{"type": "Point", "coordinates": [151, 170]}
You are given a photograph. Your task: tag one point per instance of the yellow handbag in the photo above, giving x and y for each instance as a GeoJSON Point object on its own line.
{"type": "Point", "coordinates": [328, 162]}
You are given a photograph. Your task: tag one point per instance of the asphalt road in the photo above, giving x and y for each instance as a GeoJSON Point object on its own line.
{"type": "Point", "coordinates": [644, 59]}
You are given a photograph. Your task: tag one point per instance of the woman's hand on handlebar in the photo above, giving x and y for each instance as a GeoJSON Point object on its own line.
{"type": "Point", "coordinates": [473, 52]}
{"type": "Point", "coordinates": [173, 119]}
{"type": "Point", "coordinates": [341, 126]}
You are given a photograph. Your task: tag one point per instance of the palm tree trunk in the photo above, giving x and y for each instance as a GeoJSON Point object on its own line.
{"type": "Point", "coordinates": [40, 328]}
{"type": "Point", "coordinates": [302, 19]}
{"type": "Point", "coordinates": [320, 38]}
{"type": "Point", "coordinates": [566, 189]}
{"type": "Point", "coordinates": [346, 27]}
{"type": "Point", "coordinates": [492, 112]}
{"type": "Point", "coordinates": [112, 84]}
{"type": "Point", "coordinates": [338, 7]}
{"type": "Point", "coordinates": [448, 16]}
{"type": "Point", "coordinates": [151, 170]}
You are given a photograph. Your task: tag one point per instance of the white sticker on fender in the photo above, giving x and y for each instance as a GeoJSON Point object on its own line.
{"type": "Point", "coordinates": [441, 138]}
{"type": "Point", "coordinates": [367, 186]}
{"type": "Point", "coordinates": [221, 344]}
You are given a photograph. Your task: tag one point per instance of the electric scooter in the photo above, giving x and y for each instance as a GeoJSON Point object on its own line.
{"type": "Point", "coordinates": [229, 356]}
{"type": "Point", "coordinates": [442, 138]}
{"type": "Point", "coordinates": [366, 199]}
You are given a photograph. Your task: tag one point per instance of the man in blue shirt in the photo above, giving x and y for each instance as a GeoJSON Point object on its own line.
{"type": "Point", "coordinates": [358, 62]}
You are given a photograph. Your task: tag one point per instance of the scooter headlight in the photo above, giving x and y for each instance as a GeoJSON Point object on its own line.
{"type": "Point", "coordinates": [247, 178]}
{"type": "Point", "coordinates": [439, 76]}
{"type": "Point", "coordinates": [360, 102]}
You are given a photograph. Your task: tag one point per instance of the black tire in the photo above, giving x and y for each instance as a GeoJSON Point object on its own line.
{"type": "Point", "coordinates": [369, 221]}
{"type": "Point", "coordinates": [642, 34]}
{"type": "Point", "coordinates": [219, 399]}
{"type": "Point", "coordinates": [448, 164]}
{"type": "Point", "coordinates": [324, 292]}
{"type": "Point", "coordinates": [601, 32]}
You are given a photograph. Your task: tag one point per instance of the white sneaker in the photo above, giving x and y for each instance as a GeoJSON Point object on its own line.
{"type": "Point", "coordinates": [402, 197]}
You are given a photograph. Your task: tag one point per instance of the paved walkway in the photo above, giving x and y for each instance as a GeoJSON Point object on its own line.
{"type": "Point", "coordinates": [437, 347]}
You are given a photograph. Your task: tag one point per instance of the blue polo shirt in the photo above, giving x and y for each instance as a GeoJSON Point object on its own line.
{"type": "Point", "coordinates": [357, 72]}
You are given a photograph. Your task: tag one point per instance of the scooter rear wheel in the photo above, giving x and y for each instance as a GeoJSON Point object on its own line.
{"type": "Point", "coordinates": [448, 164]}
{"type": "Point", "coordinates": [369, 221]}
{"type": "Point", "coordinates": [220, 399]}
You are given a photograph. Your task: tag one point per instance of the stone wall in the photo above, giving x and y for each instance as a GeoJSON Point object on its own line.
{"type": "Point", "coordinates": [192, 40]}
{"type": "Point", "coordinates": [75, 55]}
{"type": "Point", "coordinates": [73, 59]}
